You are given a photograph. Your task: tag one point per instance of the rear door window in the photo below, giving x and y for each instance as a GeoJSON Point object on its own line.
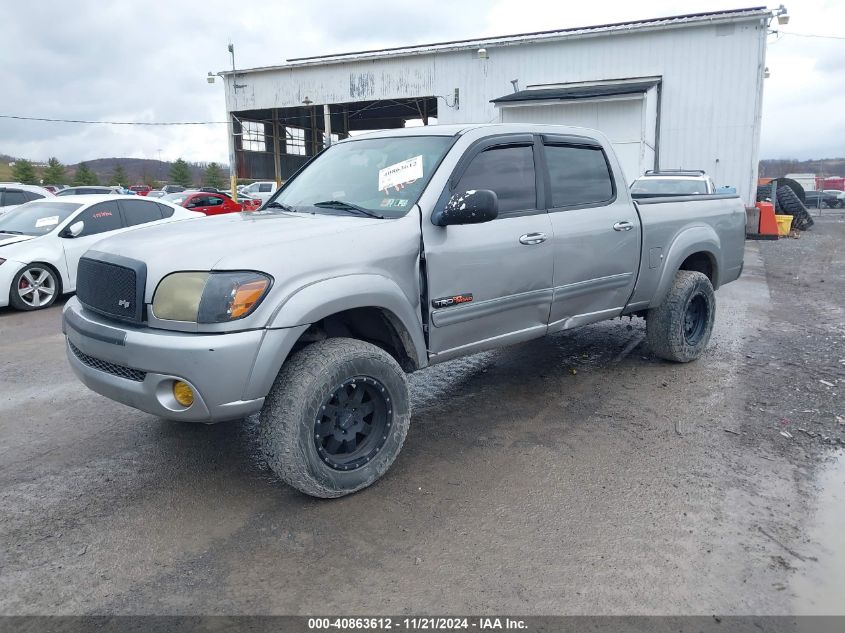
{"type": "Point", "coordinates": [13, 197]}
{"type": "Point", "coordinates": [139, 212]}
{"type": "Point", "coordinates": [31, 195]}
{"type": "Point", "coordinates": [166, 211]}
{"type": "Point", "coordinates": [578, 176]}
{"type": "Point", "coordinates": [101, 218]}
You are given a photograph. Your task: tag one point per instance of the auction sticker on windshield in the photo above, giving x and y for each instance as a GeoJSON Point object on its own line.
{"type": "Point", "coordinates": [400, 173]}
{"type": "Point", "coordinates": [52, 220]}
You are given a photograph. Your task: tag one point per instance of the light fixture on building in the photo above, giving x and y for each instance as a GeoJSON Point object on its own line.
{"type": "Point", "coordinates": [766, 73]}
{"type": "Point", "coordinates": [783, 17]}
{"type": "Point", "coordinates": [306, 101]}
{"type": "Point", "coordinates": [482, 53]}
{"type": "Point", "coordinates": [210, 78]}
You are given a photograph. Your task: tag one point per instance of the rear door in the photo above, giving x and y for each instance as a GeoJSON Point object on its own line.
{"type": "Point", "coordinates": [215, 204]}
{"type": "Point", "coordinates": [138, 211]}
{"type": "Point", "coordinates": [596, 229]}
{"type": "Point", "coordinates": [198, 203]}
{"type": "Point", "coordinates": [100, 220]}
{"type": "Point", "coordinates": [490, 284]}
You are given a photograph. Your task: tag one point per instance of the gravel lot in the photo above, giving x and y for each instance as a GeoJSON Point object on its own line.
{"type": "Point", "coordinates": [572, 475]}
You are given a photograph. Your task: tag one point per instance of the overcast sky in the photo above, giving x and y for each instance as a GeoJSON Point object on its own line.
{"type": "Point", "coordinates": [147, 61]}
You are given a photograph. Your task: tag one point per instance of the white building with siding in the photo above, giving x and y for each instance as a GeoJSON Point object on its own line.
{"type": "Point", "coordinates": [677, 92]}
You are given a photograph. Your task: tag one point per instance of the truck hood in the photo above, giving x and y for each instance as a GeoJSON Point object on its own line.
{"type": "Point", "coordinates": [228, 242]}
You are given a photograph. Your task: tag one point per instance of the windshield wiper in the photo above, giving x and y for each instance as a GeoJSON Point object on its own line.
{"type": "Point", "coordinates": [346, 206]}
{"type": "Point", "coordinates": [12, 232]}
{"type": "Point", "coordinates": [279, 205]}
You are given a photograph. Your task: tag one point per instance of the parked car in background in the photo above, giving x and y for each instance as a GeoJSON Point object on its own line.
{"type": "Point", "coordinates": [820, 200]}
{"type": "Point", "coordinates": [157, 193]}
{"type": "Point", "coordinates": [41, 241]}
{"type": "Point", "coordinates": [672, 182]}
{"type": "Point", "coordinates": [13, 194]}
{"type": "Point", "coordinates": [88, 190]}
{"type": "Point", "coordinates": [249, 204]}
{"type": "Point", "coordinates": [141, 190]}
{"type": "Point", "coordinates": [839, 195]}
{"type": "Point", "coordinates": [172, 188]}
{"type": "Point", "coordinates": [261, 190]}
{"type": "Point", "coordinates": [204, 202]}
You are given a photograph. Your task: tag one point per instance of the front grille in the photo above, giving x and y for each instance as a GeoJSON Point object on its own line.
{"type": "Point", "coordinates": [110, 368]}
{"type": "Point", "coordinates": [113, 286]}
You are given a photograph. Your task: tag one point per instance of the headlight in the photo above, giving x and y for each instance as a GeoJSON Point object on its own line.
{"type": "Point", "coordinates": [200, 297]}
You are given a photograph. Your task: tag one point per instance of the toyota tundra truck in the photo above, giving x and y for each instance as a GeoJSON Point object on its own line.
{"type": "Point", "coordinates": [387, 253]}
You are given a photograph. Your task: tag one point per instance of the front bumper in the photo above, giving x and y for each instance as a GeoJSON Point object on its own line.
{"type": "Point", "coordinates": [8, 270]}
{"type": "Point", "coordinates": [230, 373]}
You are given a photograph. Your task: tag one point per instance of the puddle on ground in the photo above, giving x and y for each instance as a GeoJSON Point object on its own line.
{"type": "Point", "coordinates": [819, 586]}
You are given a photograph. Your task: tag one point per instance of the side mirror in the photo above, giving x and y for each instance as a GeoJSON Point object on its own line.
{"type": "Point", "coordinates": [75, 229]}
{"type": "Point", "coordinates": [468, 207]}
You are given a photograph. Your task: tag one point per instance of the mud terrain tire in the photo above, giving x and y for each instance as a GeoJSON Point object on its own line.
{"type": "Point", "coordinates": [336, 417]}
{"type": "Point", "coordinates": [680, 327]}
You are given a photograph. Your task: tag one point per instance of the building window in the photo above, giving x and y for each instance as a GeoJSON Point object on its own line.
{"type": "Point", "coordinates": [294, 141]}
{"type": "Point", "coordinates": [253, 138]}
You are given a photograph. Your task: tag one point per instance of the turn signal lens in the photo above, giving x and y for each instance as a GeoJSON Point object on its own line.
{"type": "Point", "coordinates": [183, 393]}
{"type": "Point", "coordinates": [232, 295]}
{"type": "Point", "coordinates": [246, 296]}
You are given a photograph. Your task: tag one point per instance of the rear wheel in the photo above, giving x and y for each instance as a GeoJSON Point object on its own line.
{"type": "Point", "coordinates": [335, 418]}
{"type": "Point", "coordinates": [34, 288]}
{"type": "Point", "coordinates": [679, 328]}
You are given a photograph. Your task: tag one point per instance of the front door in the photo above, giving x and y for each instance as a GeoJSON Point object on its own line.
{"type": "Point", "coordinates": [596, 233]}
{"type": "Point", "coordinates": [491, 283]}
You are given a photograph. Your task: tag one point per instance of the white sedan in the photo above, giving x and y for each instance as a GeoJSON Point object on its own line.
{"type": "Point", "coordinates": [41, 241]}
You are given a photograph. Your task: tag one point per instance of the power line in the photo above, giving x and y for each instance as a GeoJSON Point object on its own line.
{"type": "Point", "coordinates": [34, 118]}
{"type": "Point", "coordinates": [305, 115]}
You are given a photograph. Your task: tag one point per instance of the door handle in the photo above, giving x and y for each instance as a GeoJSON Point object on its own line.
{"type": "Point", "coordinates": [623, 226]}
{"type": "Point", "coordinates": [532, 238]}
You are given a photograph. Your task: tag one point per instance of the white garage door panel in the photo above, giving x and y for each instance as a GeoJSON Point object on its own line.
{"type": "Point", "coordinates": [621, 120]}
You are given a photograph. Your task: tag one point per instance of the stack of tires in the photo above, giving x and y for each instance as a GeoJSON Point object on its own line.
{"type": "Point", "coordinates": [788, 203]}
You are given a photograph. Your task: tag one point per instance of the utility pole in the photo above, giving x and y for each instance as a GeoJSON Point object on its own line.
{"type": "Point", "coordinates": [327, 125]}
{"type": "Point", "coordinates": [233, 171]}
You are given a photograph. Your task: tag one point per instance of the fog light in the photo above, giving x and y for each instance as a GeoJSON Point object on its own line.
{"type": "Point", "coordinates": [183, 393]}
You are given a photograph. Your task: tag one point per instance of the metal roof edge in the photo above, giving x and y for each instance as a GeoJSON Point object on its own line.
{"type": "Point", "coordinates": [644, 25]}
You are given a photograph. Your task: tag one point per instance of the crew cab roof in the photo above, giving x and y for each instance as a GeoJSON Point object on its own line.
{"type": "Point", "coordinates": [491, 128]}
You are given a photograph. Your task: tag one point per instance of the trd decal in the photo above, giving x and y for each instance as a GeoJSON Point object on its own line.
{"type": "Point", "coordinates": [446, 302]}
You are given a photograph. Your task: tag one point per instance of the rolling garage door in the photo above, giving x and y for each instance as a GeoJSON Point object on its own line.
{"type": "Point", "coordinates": [626, 113]}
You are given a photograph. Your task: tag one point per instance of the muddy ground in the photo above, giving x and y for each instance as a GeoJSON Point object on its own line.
{"type": "Point", "coordinates": [572, 475]}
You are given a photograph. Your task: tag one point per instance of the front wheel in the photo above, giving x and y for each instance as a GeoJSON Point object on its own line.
{"type": "Point", "coordinates": [34, 288]}
{"type": "Point", "coordinates": [335, 418]}
{"type": "Point", "coordinates": [680, 327]}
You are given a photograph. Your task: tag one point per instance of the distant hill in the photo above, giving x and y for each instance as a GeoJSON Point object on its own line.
{"type": "Point", "coordinates": [138, 170]}
{"type": "Point", "coordinates": [775, 168]}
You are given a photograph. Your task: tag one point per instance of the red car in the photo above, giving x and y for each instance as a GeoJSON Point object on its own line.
{"type": "Point", "coordinates": [141, 190]}
{"type": "Point", "coordinates": [204, 202]}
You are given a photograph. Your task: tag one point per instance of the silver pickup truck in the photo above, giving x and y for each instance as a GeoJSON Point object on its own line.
{"type": "Point", "coordinates": [386, 253]}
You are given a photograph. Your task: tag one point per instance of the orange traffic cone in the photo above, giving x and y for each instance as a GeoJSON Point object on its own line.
{"type": "Point", "coordinates": [768, 223]}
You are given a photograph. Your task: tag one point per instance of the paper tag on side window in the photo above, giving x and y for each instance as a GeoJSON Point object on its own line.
{"type": "Point", "coordinates": [400, 173]}
{"type": "Point", "coordinates": [52, 220]}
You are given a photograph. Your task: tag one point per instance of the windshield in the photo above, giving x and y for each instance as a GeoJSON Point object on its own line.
{"type": "Point", "coordinates": [669, 186]}
{"type": "Point", "coordinates": [383, 175]}
{"type": "Point", "coordinates": [176, 198]}
{"type": "Point", "coordinates": [36, 218]}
